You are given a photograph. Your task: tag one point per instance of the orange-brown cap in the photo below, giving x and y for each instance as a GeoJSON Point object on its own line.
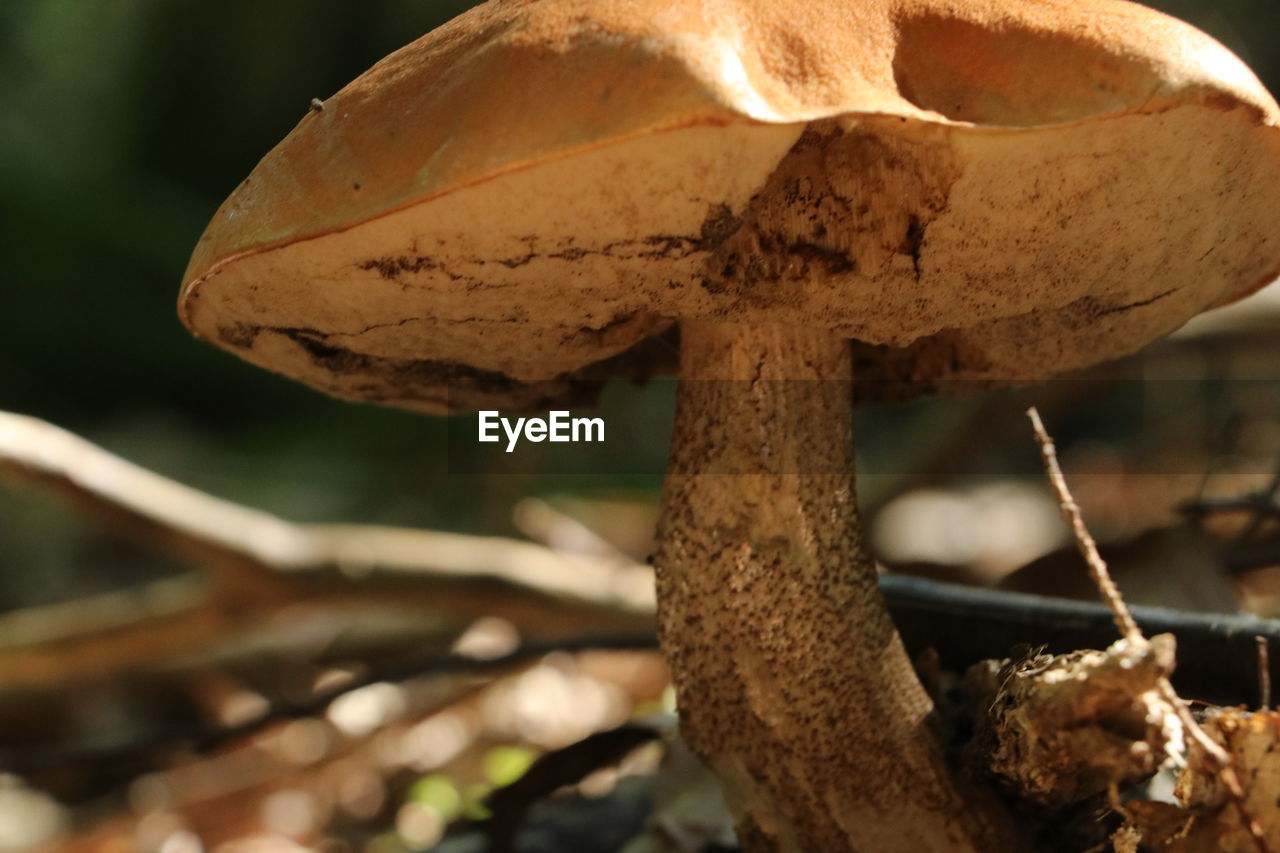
{"type": "Point", "coordinates": [524, 197]}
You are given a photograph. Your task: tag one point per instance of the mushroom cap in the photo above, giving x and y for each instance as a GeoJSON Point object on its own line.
{"type": "Point", "coordinates": [523, 201]}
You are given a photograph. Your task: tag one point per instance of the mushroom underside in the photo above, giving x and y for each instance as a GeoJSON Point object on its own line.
{"type": "Point", "coordinates": [944, 251]}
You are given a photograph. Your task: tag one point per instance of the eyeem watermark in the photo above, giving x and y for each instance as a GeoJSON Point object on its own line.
{"type": "Point", "coordinates": [558, 426]}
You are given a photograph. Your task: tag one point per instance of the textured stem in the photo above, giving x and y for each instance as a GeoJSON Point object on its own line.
{"type": "Point", "coordinates": [792, 682]}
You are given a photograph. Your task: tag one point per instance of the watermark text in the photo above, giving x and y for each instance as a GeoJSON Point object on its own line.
{"type": "Point", "coordinates": [558, 426]}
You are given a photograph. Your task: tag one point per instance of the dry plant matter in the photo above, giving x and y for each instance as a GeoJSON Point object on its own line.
{"type": "Point", "coordinates": [1205, 752]}
{"type": "Point", "coordinates": [224, 536]}
{"type": "Point", "coordinates": [1058, 730]}
{"type": "Point", "coordinates": [256, 564]}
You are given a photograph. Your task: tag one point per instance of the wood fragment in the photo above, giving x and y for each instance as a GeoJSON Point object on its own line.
{"type": "Point", "coordinates": [1208, 819]}
{"type": "Point", "coordinates": [1057, 730]}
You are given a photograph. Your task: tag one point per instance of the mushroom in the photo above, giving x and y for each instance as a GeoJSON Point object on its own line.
{"type": "Point", "coordinates": [517, 205]}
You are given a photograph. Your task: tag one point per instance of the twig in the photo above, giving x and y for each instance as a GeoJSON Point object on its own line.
{"type": "Point", "coordinates": [1088, 548]}
{"type": "Point", "coordinates": [258, 563]}
{"type": "Point", "coordinates": [1264, 673]}
{"type": "Point", "coordinates": [510, 805]}
{"type": "Point", "coordinates": [1218, 758]}
{"type": "Point", "coordinates": [1246, 551]}
{"type": "Point", "coordinates": [543, 523]}
{"type": "Point", "coordinates": [1267, 500]}
{"type": "Point", "coordinates": [167, 514]}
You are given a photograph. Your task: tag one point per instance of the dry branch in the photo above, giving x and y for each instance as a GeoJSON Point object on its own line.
{"type": "Point", "coordinates": [165, 513]}
{"type": "Point", "coordinates": [257, 563]}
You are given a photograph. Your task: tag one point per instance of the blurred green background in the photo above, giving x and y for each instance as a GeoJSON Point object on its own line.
{"type": "Point", "coordinates": [123, 124]}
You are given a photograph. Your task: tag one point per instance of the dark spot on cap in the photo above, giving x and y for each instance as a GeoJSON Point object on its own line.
{"type": "Point", "coordinates": [834, 261]}
{"type": "Point", "coordinates": [719, 226]}
{"type": "Point", "coordinates": [239, 335]}
{"type": "Point", "coordinates": [912, 241]}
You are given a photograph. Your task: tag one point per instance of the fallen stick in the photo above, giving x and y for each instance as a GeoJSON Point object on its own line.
{"type": "Point", "coordinates": [215, 532]}
{"type": "Point", "coordinates": [256, 563]}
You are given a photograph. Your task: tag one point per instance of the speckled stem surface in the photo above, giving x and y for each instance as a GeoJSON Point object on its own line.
{"type": "Point", "coordinates": [792, 682]}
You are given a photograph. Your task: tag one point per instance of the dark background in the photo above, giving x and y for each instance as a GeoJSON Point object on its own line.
{"type": "Point", "coordinates": [123, 124]}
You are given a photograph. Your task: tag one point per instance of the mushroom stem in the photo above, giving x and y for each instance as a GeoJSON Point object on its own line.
{"type": "Point", "coordinates": [792, 681]}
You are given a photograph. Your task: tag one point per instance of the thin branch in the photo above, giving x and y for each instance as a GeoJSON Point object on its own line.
{"type": "Point", "coordinates": [1084, 540]}
{"type": "Point", "coordinates": [1218, 758]}
{"type": "Point", "coordinates": [167, 514]}
{"type": "Point", "coordinates": [257, 563]}
{"type": "Point", "coordinates": [1264, 673]}
{"type": "Point", "coordinates": [1267, 500]}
